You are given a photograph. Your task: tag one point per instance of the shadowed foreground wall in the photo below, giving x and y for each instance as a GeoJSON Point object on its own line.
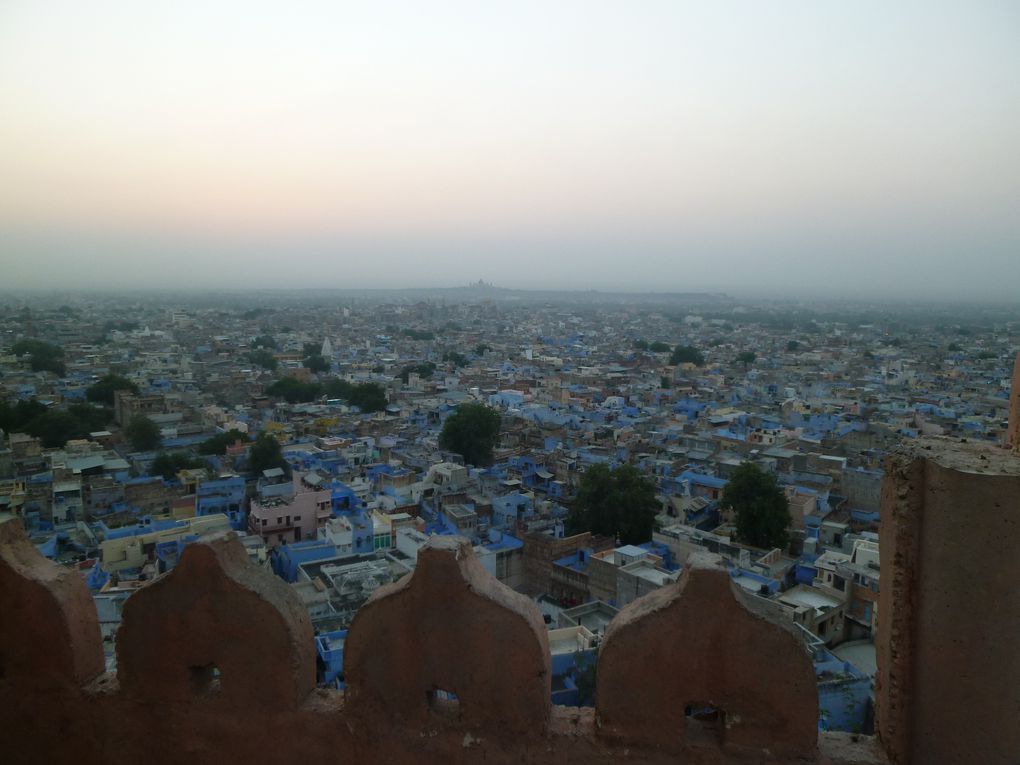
{"type": "Point", "coordinates": [450, 626]}
{"type": "Point", "coordinates": [949, 611]}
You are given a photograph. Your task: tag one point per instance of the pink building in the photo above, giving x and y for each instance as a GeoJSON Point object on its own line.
{"type": "Point", "coordinates": [290, 516]}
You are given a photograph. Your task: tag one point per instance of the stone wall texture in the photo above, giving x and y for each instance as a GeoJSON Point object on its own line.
{"type": "Point", "coordinates": [216, 665]}
{"type": "Point", "coordinates": [949, 610]}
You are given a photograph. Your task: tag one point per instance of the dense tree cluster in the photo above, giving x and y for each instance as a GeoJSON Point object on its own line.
{"type": "Point", "coordinates": [142, 433]}
{"type": "Point", "coordinates": [368, 397]}
{"type": "Point", "coordinates": [457, 359]}
{"type": "Point", "coordinates": [423, 370]}
{"type": "Point", "coordinates": [316, 363]}
{"type": "Point", "coordinates": [101, 392]}
{"type": "Point", "coordinates": [169, 464]}
{"type": "Point", "coordinates": [687, 354]}
{"type": "Point", "coordinates": [418, 334]}
{"type": "Point", "coordinates": [218, 444]}
{"type": "Point", "coordinates": [762, 512]}
{"type": "Point", "coordinates": [266, 454]}
{"type": "Point", "coordinates": [54, 427]}
{"type": "Point", "coordinates": [42, 357]}
{"type": "Point", "coordinates": [471, 432]}
{"type": "Point", "coordinates": [263, 358]}
{"type": "Point", "coordinates": [616, 502]}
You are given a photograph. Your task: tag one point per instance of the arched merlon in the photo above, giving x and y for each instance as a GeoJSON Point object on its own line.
{"type": "Point", "coordinates": [450, 626]}
{"type": "Point", "coordinates": [217, 610]}
{"type": "Point", "coordinates": [49, 633]}
{"type": "Point", "coordinates": [701, 641]}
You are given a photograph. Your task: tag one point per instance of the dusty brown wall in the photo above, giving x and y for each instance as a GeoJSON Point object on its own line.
{"type": "Point", "coordinates": [1013, 429]}
{"type": "Point", "coordinates": [216, 608]}
{"type": "Point", "coordinates": [949, 614]}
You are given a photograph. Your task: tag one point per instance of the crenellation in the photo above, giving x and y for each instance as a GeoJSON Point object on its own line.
{"type": "Point", "coordinates": [487, 647]}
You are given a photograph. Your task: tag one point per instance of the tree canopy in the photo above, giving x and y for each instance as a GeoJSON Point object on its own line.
{"type": "Point", "coordinates": [471, 432]}
{"type": "Point", "coordinates": [266, 454]}
{"type": "Point", "coordinates": [746, 357]}
{"type": "Point", "coordinates": [218, 444]}
{"type": "Point", "coordinates": [42, 357]}
{"type": "Point", "coordinates": [368, 397]}
{"type": "Point", "coordinates": [294, 391]}
{"type": "Point", "coordinates": [168, 465]}
{"type": "Point", "coordinates": [316, 363]}
{"type": "Point", "coordinates": [687, 354]}
{"type": "Point", "coordinates": [658, 347]}
{"type": "Point", "coordinates": [102, 391]}
{"type": "Point", "coordinates": [54, 427]}
{"type": "Point", "coordinates": [763, 514]}
{"type": "Point", "coordinates": [424, 369]}
{"type": "Point", "coordinates": [143, 433]}
{"type": "Point", "coordinates": [617, 502]}
{"type": "Point", "coordinates": [263, 358]}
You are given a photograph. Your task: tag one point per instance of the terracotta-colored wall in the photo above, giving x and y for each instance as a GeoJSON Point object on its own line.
{"type": "Point", "coordinates": [949, 608]}
{"type": "Point", "coordinates": [449, 626]}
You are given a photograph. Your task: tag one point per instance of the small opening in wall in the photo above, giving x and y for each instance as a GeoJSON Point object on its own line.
{"type": "Point", "coordinates": [703, 723]}
{"type": "Point", "coordinates": [443, 703]}
{"type": "Point", "coordinates": [205, 679]}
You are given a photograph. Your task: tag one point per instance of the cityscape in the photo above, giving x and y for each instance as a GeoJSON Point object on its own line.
{"type": "Point", "coordinates": [459, 382]}
{"type": "Point", "coordinates": [584, 446]}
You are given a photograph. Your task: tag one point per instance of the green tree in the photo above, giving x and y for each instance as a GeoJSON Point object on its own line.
{"type": "Point", "coordinates": [687, 354]}
{"type": "Point", "coordinates": [102, 391]}
{"type": "Point", "coordinates": [169, 465]}
{"type": "Point", "coordinates": [316, 363]}
{"type": "Point", "coordinates": [763, 514]}
{"type": "Point", "coordinates": [457, 359]}
{"type": "Point", "coordinates": [264, 341]}
{"type": "Point", "coordinates": [294, 391]}
{"type": "Point", "coordinates": [665, 382]}
{"type": "Point", "coordinates": [658, 347]}
{"type": "Point", "coordinates": [481, 348]}
{"type": "Point", "coordinates": [471, 432]}
{"type": "Point", "coordinates": [423, 370]}
{"type": "Point", "coordinates": [640, 345]}
{"type": "Point", "coordinates": [143, 433]}
{"type": "Point", "coordinates": [266, 454]}
{"type": "Point", "coordinates": [614, 502]}
{"type": "Point", "coordinates": [42, 357]}
{"type": "Point", "coordinates": [368, 397]}
{"type": "Point", "coordinates": [264, 359]}
{"type": "Point", "coordinates": [218, 444]}
{"type": "Point", "coordinates": [747, 358]}
{"type": "Point", "coordinates": [55, 428]}
{"type": "Point", "coordinates": [793, 346]}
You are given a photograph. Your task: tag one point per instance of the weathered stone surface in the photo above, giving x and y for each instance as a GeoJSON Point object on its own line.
{"type": "Point", "coordinates": [49, 633]}
{"type": "Point", "coordinates": [948, 686]}
{"type": "Point", "coordinates": [450, 627]}
{"type": "Point", "coordinates": [216, 610]}
{"type": "Point", "coordinates": [1013, 428]}
{"type": "Point", "coordinates": [701, 643]}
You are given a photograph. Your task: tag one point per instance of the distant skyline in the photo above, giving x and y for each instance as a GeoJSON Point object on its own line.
{"type": "Point", "coordinates": [843, 149]}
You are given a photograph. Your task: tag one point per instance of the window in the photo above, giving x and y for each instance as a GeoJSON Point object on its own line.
{"type": "Point", "coordinates": [263, 521]}
{"type": "Point", "coordinates": [297, 518]}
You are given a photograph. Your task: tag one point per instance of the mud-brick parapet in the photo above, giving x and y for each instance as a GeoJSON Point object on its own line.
{"type": "Point", "coordinates": [948, 644]}
{"type": "Point", "coordinates": [700, 648]}
{"type": "Point", "coordinates": [216, 665]}
{"type": "Point", "coordinates": [217, 625]}
{"type": "Point", "coordinates": [450, 627]}
{"type": "Point", "coordinates": [49, 632]}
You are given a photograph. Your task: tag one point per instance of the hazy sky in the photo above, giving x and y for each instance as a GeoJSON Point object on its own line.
{"type": "Point", "coordinates": [843, 146]}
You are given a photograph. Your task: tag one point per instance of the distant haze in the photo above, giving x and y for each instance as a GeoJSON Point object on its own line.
{"type": "Point", "coordinates": [844, 148]}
